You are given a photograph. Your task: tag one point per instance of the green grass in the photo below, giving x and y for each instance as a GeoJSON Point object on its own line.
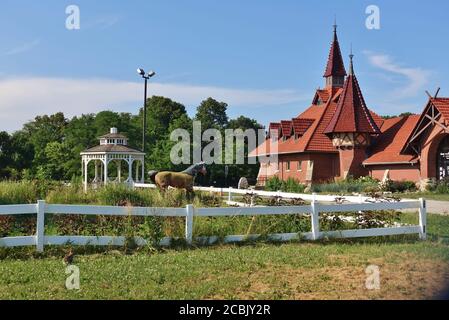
{"type": "Point", "coordinates": [410, 269]}
{"type": "Point", "coordinates": [426, 195]}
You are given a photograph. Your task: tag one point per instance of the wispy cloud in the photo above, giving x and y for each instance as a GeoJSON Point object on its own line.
{"type": "Point", "coordinates": [25, 47]}
{"type": "Point", "coordinates": [101, 23]}
{"type": "Point", "coordinates": [77, 96]}
{"type": "Point", "coordinates": [412, 80]}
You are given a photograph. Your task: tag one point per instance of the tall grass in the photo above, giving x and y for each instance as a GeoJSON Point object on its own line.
{"type": "Point", "coordinates": [18, 192]}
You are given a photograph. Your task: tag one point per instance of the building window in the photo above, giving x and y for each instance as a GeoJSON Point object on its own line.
{"type": "Point", "coordinates": [299, 164]}
{"type": "Point", "coordinates": [287, 164]}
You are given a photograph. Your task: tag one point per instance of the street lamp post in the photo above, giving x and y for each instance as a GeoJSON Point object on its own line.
{"type": "Point", "coordinates": [145, 76]}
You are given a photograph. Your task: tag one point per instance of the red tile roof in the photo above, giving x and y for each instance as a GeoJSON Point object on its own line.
{"type": "Point", "coordinates": [300, 125]}
{"type": "Point", "coordinates": [335, 65]}
{"type": "Point", "coordinates": [352, 114]}
{"type": "Point", "coordinates": [311, 123]}
{"type": "Point", "coordinates": [323, 95]}
{"type": "Point", "coordinates": [274, 127]}
{"type": "Point", "coordinates": [388, 145]}
{"type": "Point", "coordinates": [286, 126]}
{"type": "Point", "coordinates": [442, 104]}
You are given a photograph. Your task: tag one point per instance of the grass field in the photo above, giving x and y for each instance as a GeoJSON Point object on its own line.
{"type": "Point", "coordinates": [409, 269]}
{"type": "Point", "coordinates": [425, 195]}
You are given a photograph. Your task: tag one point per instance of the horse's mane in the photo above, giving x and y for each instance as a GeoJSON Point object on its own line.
{"type": "Point", "coordinates": [193, 169]}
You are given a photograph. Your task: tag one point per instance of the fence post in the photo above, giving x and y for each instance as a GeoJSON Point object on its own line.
{"type": "Point", "coordinates": [313, 197]}
{"type": "Point", "coordinates": [230, 194]}
{"type": "Point", "coordinates": [423, 219]}
{"type": "Point", "coordinates": [40, 225]}
{"type": "Point", "coordinates": [189, 223]}
{"type": "Point", "coordinates": [315, 217]}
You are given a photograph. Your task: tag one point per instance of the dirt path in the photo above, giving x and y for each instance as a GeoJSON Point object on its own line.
{"type": "Point", "coordinates": [439, 207]}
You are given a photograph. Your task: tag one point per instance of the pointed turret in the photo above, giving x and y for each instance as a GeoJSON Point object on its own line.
{"type": "Point", "coordinates": [352, 114]}
{"type": "Point", "coordinates": [351, 127]}
{"type": "Point", "coordinates": [335, 69]}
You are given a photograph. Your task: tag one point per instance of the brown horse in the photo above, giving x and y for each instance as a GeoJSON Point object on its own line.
{"type": "Point", "coordinates": [178, 180]}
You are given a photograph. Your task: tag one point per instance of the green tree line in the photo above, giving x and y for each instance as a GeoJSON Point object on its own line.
{"type": "Point", "coordinates": [49, 146]}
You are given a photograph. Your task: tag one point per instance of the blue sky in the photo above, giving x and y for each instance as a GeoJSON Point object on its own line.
{"type": "Point", "coordinates": [265, 58]}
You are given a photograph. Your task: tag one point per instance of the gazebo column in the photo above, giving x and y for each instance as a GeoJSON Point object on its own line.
{"type": "Point", "coordinates": [143, 172]}
{"type": "Point", "coordinates": [137, 172]}
{"type": "Point", "coordinates": [106, 170]}
{"type": "Point", "coordinates": [130, 170]}
{"type": "Point", "coordinates": [85, 166]}
{"type": "Point", "coordinates": [119, 171]}
{"type": "Point", "coordinates": [96, 171]}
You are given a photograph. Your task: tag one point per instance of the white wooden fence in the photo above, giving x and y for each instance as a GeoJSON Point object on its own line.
{"type": "Point", "coordinates": [313, 210]}
{"type": "Point", "coordinates": [286, 195]}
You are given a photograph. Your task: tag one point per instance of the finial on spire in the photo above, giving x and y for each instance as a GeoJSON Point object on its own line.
{"type": "Point", "coordinates": [335, 26]}
{"type": "Point", "coordinates": [351, 65]}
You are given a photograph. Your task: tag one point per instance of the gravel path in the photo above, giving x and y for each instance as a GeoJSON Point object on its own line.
{"type": "Point", "coordinates": [440, 207]}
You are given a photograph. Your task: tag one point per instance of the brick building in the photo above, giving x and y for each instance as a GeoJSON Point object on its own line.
{"type": "Point", "coordinates": [338, 136]}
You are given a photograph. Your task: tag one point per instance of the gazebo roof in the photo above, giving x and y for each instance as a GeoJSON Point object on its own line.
{"type": "Point", "coordinates": [112, 148]}
{"type": "Point", "coordinates": [113, 142]}
{"type": "Point", "coordinates": [113, 136]}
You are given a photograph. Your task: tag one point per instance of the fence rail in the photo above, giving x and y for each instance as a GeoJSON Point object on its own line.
{"type": "Point", "coordinates": [286, 195]}
{"type": "Point", "coordinates": [189, 212]}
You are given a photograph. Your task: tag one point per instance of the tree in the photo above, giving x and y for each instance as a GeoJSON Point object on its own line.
{"type": "Point", "coordinates": [163, 115]}
{"type": "Point", "coordinates": [43, 130]}
{"type": "Point", "coordinates": [58, 164]}
{"type": "Point", "coordinates": [22, 151]}
{"type": "Point", "coordinates": [212, 114]}
{"type": "Point", "coordinates": [247, 170]}
{"type": "Point", "coordinates": [5, 154]}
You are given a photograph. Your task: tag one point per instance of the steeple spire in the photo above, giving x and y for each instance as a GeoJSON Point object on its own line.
{"type": "Point", "coordinates": [335, 28]}
{"type": "Point", "coordinates": [335, 69]}
{"type": "Point", "coordinates": [351, 63]}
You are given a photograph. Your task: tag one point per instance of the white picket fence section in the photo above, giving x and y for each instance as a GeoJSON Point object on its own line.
{"type": "Point", "coordinates": [189, 212]}
{"type": "Point", "coordinates": [286, 195]}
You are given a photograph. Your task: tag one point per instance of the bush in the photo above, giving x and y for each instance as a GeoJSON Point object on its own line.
{"type": "Point", "coordinates": [291, 185]}
{"type": "Point", "coordinates": [398, 186]}
{"type": "Point", "coordinates": [346, 186]}
{"type": "Point", "coordinates": [274, 184]}
{"type": "Point", "coordinates": [440, 187]}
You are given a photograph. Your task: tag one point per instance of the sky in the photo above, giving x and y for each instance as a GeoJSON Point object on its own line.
{"type": "Point", "coordinates": [265, 58]}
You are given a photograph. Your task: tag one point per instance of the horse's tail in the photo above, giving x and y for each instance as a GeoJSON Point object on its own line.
{"type": "Point", "coordinates": [152, 175]}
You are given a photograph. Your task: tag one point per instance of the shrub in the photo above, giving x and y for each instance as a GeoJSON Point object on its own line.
{"type": "Point", "coordinates": [291, 185]}
{"type": "Point", "coordinates": [294, 186]}
{"type": "Point", "coordinates": [274, 184]}
{"type": "Point", "coordinates": [441, 186]}
{"type": "Point", "coordinates": [398, 186]}
{"type": "Point", "coordinates": [348, 185]}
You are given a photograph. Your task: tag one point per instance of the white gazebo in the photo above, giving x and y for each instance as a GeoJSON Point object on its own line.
{"type": "Point", "coordinates": [113, 148]}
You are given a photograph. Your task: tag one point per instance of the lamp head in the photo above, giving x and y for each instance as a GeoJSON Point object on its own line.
{"type": "Point", "coordinates": [151, 74]}
{"type": "Point", "coordinates": [141, 72]}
